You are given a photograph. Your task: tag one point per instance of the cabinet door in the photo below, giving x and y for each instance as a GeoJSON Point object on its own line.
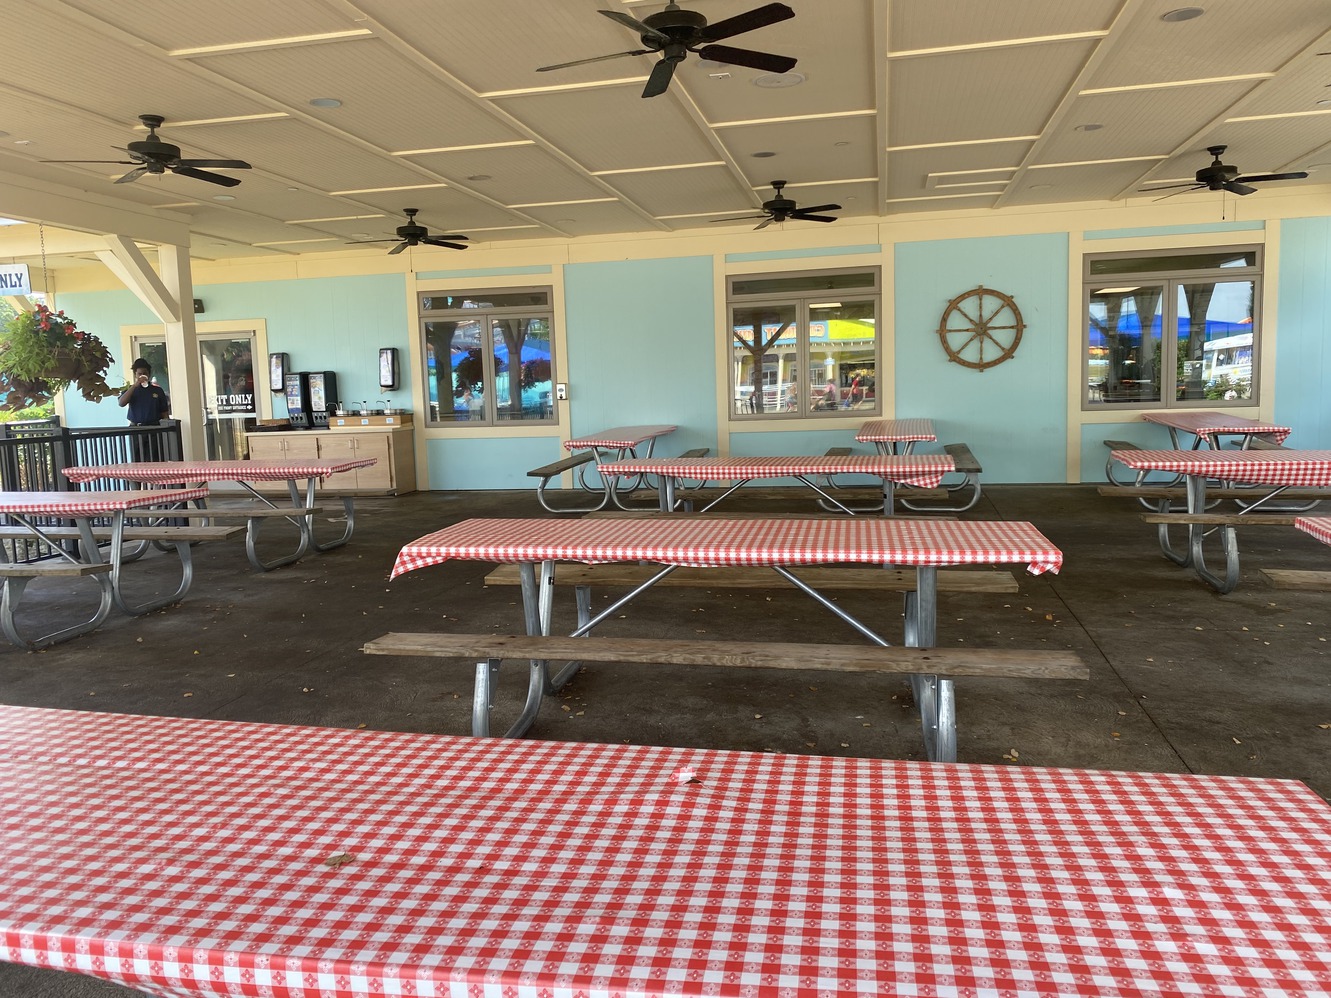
{"type": "Point", "coordinates": [266, 447]}
{"type": "Point", "coordinates": [301, 447]}
{"type": "Point", "coordinates": [335, 446]}
{"type": "Point", "coordinates": [378, 478]}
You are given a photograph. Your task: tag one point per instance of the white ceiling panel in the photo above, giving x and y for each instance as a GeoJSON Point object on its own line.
{"type": "Point", "coordinates": [926, 24]}
{"type": "Point", "coordinates": [965, 79]}
{"type": "Point", "coordinates": [822, 149]}
{"type": "Point", "coordinates": [952, 98]}
{"type": "Point", "coordinates": [1138, 122]}
{"type": "Point", "coordinates": [1233, 37]}
{"type": "Point", "coordinates": [675, 192]}
{"type": "Point", "coordinates": [377, 114]}
{"type": "Point", "coordinates": [517, 174]}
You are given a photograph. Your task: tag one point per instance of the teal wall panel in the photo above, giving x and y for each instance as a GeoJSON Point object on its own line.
{"type": "Point", "coordinates": [1303, 337]}
{"type": "Point", "coordinates": [1014, 416]}
{"type": "Point", "coordinates": [1251, 225]}
{"type": "Point", "coordinates": [489, 463]}
{"type": "Point", "coordinates": [103, 313]}
{"type": "Point", "coordinates": [641, 339]}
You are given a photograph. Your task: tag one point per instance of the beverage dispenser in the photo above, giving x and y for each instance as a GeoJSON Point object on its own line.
{"type": "Point", "coordinates": [298, 400]}
{"type": "Point", "coordinates": [323, 397]}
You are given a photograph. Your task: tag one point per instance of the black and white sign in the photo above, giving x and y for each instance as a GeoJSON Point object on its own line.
{"type": "Point", "coordinates": [14, 279]}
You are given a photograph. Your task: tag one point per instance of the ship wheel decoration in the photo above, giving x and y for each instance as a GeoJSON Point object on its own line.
{"type": "Point", "coordinates": [980, 328]}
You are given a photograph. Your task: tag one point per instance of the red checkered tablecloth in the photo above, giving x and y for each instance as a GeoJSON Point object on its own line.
{"type": "Point", "coordinates": [896, 430]}
{"type": "Point", "coordinates": [709, 543]}
{"type": "Point", "coordinates": [1318, 526]}
{"type": "Point", "coordinates": [86, 503]}
{"type": "Point", "coordinates": [211, 858]}
{"type": "Point", "coordinates": [166, 472]}
{"type": "Point", "coordinates": [620, 438]}
{"type": "Point", "coordinates": [1212, 424]}
{"type": "Point", "coordinates": [1310, 468]}
{"type": "Point", "coordinates": [922, 470]}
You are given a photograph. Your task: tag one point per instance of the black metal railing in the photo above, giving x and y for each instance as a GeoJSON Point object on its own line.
{"type": "Point", "coordinates": [33, 454]}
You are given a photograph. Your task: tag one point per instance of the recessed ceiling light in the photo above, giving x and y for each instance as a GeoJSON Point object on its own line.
{"type": "Point", "coordinates": [763, 155]}
{"type": "Point", "coordinates": [843, 142]}
{"type": "Point", "coordinates": [480, 176]}
{"type": "Point", "coordinates": [777, 81]}
{"type": "Point", "coordinates": [1182, 14]}
{"type": "Point", "coordinates": [564, 221]}
{"type": "Point", "coordinates": [224, 197]}
{"type": "Point", "coordinates": [23, 142]}
{"type": "Point", "coordinates": [325, 102]}
{"type": "Point", "coordinates": [1040, 187]}
{"type": "Point", "coordinates": [1091, 126]}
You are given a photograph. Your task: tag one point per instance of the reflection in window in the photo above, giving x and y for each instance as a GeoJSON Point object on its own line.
{"type": "Point", "coordinates": [1211, 353]}
{"type": "Point", "coordinates": [804, 344]}
{"type": "Point", "coordinates": [490, 361]}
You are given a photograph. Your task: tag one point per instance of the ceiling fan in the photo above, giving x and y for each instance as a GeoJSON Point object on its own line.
{"type": "Point", "coordinates": [154, 155]}
{"type": "Point", "coordinates": [780, 208]}
{"type": "Point", "coordinates": [1220, 177]}
{"type": "Point", "coordinates": [674, 32]}
{"type": "Point", "coordinates": [412, 234]}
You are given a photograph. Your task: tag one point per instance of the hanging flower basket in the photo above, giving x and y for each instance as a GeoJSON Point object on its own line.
{"type": "Point", "coordinates": [42, 353]}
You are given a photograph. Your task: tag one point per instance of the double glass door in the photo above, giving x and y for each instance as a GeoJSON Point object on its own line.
{"type": "Point", "coordinates": [226, 365]}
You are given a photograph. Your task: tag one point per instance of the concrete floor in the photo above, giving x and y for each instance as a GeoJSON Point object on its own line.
{"type": "Point", "coordinates": [1182, 679]}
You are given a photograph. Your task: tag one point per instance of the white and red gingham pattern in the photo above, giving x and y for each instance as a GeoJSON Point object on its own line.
{"type": "Point", "coordinates": [92, 503]}
{"type": "Point", "coordinates": [199, 858]}
{"type": "Point", "coordinates": [1318, 526]}
{"type": "Point", "coordinates": [709, 543]}
{"type": "Point", "coordinates": [923, 470]}
{"type": "Point", "coordinates": [896, 430]}
{"type": "Point", "coordinates": [620, 438]}
{"type": "Point", "coordinates": [166, 472]}
{"type": "Point", "coordinates": [1210, 424]}
{"type": "Point", "coordinates": [1310, 468]}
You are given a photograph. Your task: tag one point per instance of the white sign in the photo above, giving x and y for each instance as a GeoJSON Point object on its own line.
{"type": "Point", "coordinates": [14, 279]}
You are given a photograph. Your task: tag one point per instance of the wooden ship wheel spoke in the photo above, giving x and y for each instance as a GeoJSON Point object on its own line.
{"type": "Point", "coordinates": [979, 334]}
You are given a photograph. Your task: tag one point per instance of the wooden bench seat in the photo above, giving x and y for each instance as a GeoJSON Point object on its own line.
{"type": "Point", "coordinates": [1114, 445]}
{"type": "Point", "coordinates": [132, 532]}
{"type": "Point", "coordinates": [1223, 519]}
{"type": "Point", "coordinates": [51, 568]}
{"type": "Point", "coordinates": [931, 669]}
{"type": "Point", "coordinates": [548, 472]}
{"type": "Point", "coordinates": [1264, 443]}
{"type": "Point", "coordinates": [950, 580]}
{"type": "Point", "coordinates": [257, 511]}
{"type": "Point", "coordinates": [574, 460]}
{"type": "Point", "coordinates": [1180, 492]}
{"type": "Point", "coordinates": [968, 466]}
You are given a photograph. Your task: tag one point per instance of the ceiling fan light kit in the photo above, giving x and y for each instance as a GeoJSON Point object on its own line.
{"type": "Point", "coordinates": [1220, 176]}
{"type": "Point", "coordinates": [154, 155]}
{"type": "Point", "coordinates": [675, 32]}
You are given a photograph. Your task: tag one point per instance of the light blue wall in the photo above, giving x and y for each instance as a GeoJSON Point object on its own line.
{"type": "Point", "coordinates": [642, 339]}
{"type": "Point", "coordinates": [103, 313]}
{"type": "Point", "coordinates": [1303, 332]}
{"type": "Point", "coordinates": [1014, 415]}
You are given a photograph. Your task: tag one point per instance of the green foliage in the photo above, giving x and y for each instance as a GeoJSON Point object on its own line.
{"type": "Point", "coordinates": [42, 353]}
{"type": "Point", "coordinates": [1225, 388]}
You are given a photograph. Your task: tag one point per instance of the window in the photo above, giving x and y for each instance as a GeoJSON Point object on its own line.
{"type": "Point", "coordinates": [804, 344]}
{"type": "Point", "coordinates": [1208, 298]}
{"type": "Point", "coordinates": [487, 355]}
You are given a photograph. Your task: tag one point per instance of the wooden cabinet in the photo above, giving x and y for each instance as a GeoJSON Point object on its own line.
{"type": "Point", "coordinates": [394, 474]}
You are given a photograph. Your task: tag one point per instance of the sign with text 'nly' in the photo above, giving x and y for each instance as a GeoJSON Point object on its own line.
{"type": "Point", "coordinates": [14, 279]}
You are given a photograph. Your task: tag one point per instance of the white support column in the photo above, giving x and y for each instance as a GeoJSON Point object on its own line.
{"type": "Point", "coordinates": [182, 349]}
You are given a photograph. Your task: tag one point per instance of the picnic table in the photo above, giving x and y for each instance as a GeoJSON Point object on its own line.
{"type": "Point", "coordinates": [1278, 470]}
{"type": "Point", "coordinates": [620, 441]}
{"type": "Point", "coordinates": [1317, 526]}
{"type": "Point", "coordinates": [896, 436]}
{"type": "Point", "coordinates": [29, 513]}
{"type": "Point", "coordinates": [199, 858]}
{"type": "Point", "coordinates": [1208, 427]}
{"type": "Point", "coordinates": [300, 510]}
{"type": "Point", "coordinates": [923, 470]}
{"type": "Point", "coordinates": [758, 543]}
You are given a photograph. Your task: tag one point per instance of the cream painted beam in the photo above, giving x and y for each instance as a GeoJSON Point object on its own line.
{"type": "Point", "coordinates": [127, 263]}
{"type": "Point", "coordinates": [22, 302]}
{"type": "Point", "coordinates": [182, 352]}
{"type": "Point", "coordinates": [37, 200]}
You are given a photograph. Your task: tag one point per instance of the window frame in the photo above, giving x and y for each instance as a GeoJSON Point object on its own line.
{"type": "Point", "coordinates": [486, 317]}
{"type": "Point", "coordinates": [1171, 280]}
{"type": "Point", "coordinates": [801, 299]}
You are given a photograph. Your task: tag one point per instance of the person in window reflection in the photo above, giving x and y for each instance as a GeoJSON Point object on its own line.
{"type": "Point", "coordinates": [148, 404]}
{"type": "Point", "coordinates": [831, 396]}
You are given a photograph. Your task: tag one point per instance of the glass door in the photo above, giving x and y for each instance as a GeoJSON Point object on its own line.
{"type": "Point", "coordinates": [226, 364]}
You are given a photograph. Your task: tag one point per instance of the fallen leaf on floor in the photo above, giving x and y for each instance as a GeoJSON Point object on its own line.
{"type": "Point", "coordinates": [1236, 741]}
{"type": "Point", "coordinates": [187, 694]}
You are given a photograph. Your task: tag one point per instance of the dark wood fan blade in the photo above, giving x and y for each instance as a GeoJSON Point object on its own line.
{"type": "Point", "coordinates": [456, 237]}
{"type": "Point", "coordinates": [117, 162]}
{"type": "Point", "coordinates": [133, 175]}
{"type": "Point", "coordinates": [763, 224]}
{"type": "Point", "coordinates": [812, 218]}
{"type": "Point", "coordinates": [759, 17]}
{"type": "Point", "coordinates": [1234, 187]}
{"type": "Point", "coordinates": [1261, 178]}
{"type": "Point", "coordinates": [659, 81]}
{"type": "Point", "coordinates": [361, 242]}
{"type": "Point", "coordinates": [595, 58]}
{"type": "Point", "coordinates": [744, 57]}
{"type": "Point", "coordinates": [638, 26]}
{"type": "Point", "coordinates": [817, 208]}
{"type": "Point", "coordinates": [217, 164]}
{"type": "Point", "coordinates": [441, 241]}
{"type": "Point", "coordinates": [212, 178]}
{"type": "Point", "coordinates": [1189, 187]}
{"type": "Point", "coordinates": [736, 218]}
{"type": "Point", "coordinates": [1168, 187]}
{"type": "Point", "coordinates": [399, 248]}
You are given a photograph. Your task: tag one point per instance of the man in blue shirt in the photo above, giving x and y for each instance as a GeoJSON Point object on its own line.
{"type": "Point", "coordinates": [148, 404]}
